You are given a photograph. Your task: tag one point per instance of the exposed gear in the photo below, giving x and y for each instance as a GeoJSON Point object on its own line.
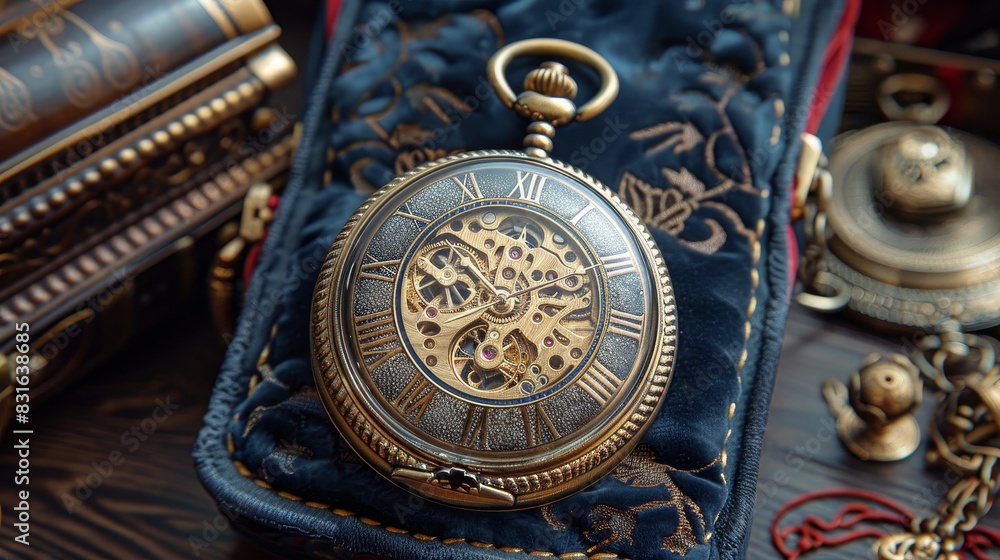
{"type": "Point", "coordinates": [484, 361]}
{"type": "Point", "coordinates": [522, 229]}
{"type": "Point", "coordinates": [512, 310]}
{"type": "Point", "coordinates": [439, 278]}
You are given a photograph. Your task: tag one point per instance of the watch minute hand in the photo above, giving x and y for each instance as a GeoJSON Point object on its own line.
{"type": "Point", "coordinates": [479, 308]}
{"type": "Point", "coordinates": [553, 281]}
{"type": "Point", "coordinates": [467, 262]}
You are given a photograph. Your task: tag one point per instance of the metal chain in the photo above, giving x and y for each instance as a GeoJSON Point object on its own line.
{"type": "Point", "coordinates": [965, 435]}
{"type": "Point", "coordinates": [814, 221]}
{"type": "Point", "coordinates": [828, 292]}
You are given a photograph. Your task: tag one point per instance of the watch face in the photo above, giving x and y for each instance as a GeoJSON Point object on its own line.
{"type": "Point", "coordinates": [494, 330]}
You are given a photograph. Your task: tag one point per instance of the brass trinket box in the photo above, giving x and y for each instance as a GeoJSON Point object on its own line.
{"type": "Point", "coordinates": [903, 228]}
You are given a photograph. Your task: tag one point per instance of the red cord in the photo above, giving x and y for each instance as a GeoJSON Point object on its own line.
{"type": "Point", "coordinates": [813, 533]}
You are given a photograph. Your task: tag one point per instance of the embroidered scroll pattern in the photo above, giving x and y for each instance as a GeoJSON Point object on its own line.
{"type": "Point", "coordinates": [15, 103]}
{"type": "Point", "coordinates": [673, 208]}
{"type": "Point", "coordinates": [81, 80]}
{"type": "Point", "coordinates": [410, 144]}
{"type": "Point", "coordinates": [617, 526]}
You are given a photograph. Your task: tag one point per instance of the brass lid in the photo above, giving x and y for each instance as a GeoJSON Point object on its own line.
{"type": "Point", "coordinates": [915, 216]}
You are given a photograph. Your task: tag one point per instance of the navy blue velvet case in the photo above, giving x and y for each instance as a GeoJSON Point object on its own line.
{"type": "Point", "coordinates": [701, 142]}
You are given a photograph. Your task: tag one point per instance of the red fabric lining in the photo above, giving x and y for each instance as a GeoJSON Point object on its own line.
{"type": "Point", "coordinates": [834, 60]}
{"type": "Point", "coordinates": [253, 255]}
{"type": "Point", "coordinates": [332, 11]}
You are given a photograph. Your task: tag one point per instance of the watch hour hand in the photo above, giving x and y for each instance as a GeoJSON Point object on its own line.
{"type": "Point", "coordinates": [469, 264]}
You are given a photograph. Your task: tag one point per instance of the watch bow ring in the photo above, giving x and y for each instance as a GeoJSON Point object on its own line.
{"type": "Point", "coordinates": [496, 329]}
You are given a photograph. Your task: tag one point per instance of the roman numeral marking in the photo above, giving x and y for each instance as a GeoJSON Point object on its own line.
{"type": "Point", "coordinates": [616, 265]}
{"type": "Point", "coordinates": [579, 215]}
{"type": "Point", "coordinates": [529, 186]}
{"type": "Point", "coordinates": [469, 180]}
{"type": "Point", "coordinates": [625, 324]}
{"type": "Point", "coordinates": [476, 432]}
{"type": "Point", "coordinates": [600, 383]}
{"type": "Point", "coordinates": [370, 270]}
{"type": "Point", "coordinates": [535, 433]}
{"type": "Point", "coordinates": [415, 397]}
{"type": "Point", "coordinates": [373, 331]}
{"type": "Point", "coordinates": [405, 212]}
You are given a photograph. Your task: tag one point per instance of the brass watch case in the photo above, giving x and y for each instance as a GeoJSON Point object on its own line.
{"type": "Point", "coordinates": [502, 482]}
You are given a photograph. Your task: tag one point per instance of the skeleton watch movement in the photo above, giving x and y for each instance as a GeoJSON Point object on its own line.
{"type": "Point", "coordinates": [496, 330]}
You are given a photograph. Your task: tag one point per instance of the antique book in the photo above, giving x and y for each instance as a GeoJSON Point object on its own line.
{"type": "Point", "coordinates": [129, 131]}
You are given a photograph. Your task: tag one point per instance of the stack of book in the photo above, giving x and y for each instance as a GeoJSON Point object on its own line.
{"type": "Point", "coordinates": [129, 132]}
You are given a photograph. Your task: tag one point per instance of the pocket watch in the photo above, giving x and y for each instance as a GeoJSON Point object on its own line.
{"type": "Point", "coordinates": [496, 329]}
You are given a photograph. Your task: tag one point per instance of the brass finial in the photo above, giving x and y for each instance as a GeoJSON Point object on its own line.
{"type": "Point", "coordinates": [924, 173]}
{"type": "Point", "coordinates": [548, 101]}
{"type": "Point", "coordinates": [875, 415]}
{"type": "Point", "coordinates": [551, 79]}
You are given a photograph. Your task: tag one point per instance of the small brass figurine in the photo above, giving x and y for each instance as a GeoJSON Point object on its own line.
{"type": "Point", "coordinates": [875, 417]}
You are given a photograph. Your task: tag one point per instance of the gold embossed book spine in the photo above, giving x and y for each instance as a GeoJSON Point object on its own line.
{"type": "Point", "coordinates": [129, 132]}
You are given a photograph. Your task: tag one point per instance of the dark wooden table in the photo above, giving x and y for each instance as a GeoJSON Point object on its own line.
{"type": "Point", "coordinates": [100, 490]}
{"type": "Point", "coordinates": [801, 451]}
{"type": "Point", "coordinates": [150, 505]}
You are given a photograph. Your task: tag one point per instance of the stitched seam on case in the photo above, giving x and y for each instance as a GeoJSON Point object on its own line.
{"type": "Point", "coordinates": [244, 471]}
{"type": "Point", "coordinates": [793, 127]}
{"type": "Point", "coordinates": [748, 330]}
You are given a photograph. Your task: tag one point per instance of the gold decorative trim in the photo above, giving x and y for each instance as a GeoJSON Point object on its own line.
{"type": "Point", "coordinates": [265, 37]}
{"type": "Point", "coordinates": [220, 17]}
{"type": "Point", "coordinates": [231, 96]}
{"type": "Point", "coordinates": [53, 7]}
{"type": "Point", "coordinates": [237, 17]}
{"type": "Point", "coordinates": [423, 537]}
{"type": "Point", "coordinates": [165, 224]}
{"type": "Point", "coordinates": [248, 15]}
{"type": "Point", "coordinates": [272, 66]}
